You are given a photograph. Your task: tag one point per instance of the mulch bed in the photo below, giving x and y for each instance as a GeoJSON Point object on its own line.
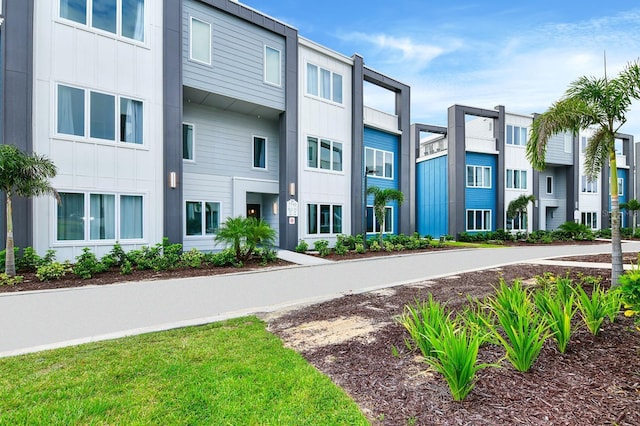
{"type": "Point", "coordinates": [596, 382]}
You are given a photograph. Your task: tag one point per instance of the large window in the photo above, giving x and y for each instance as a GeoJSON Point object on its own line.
{"type": "Point", "coordinates": [589, 186]}
{"type": "Point", "coordinates": [478, 177]}
{"type": "Point", "coordinates": [96, 217]}
{"type": "Point", "coordinates": [549, 184]}
{"type": "Point", "coordinates": [590, 219]}
{"type": "Point", "coordinates": [374, 224]}
{"type": "Point", "coordinates": [324, 154]}
{"type": "Point", "coordinates": [106, 15]}
{"type": "Point", "coordinates": [518, 222]}
{"type": "Point", "coordinates": [259, 152]}
{"type": "Point", "coordinates": [516, 135]}
{"type": "Point", "coordinates": [202, 218]}
{"type": "Point", "coordinates": [75, 104]}
{"type": "Point", "coordinates": [379, 163]}
{"type": "Point", "coordinates": [324, 83]}
{"type": "Point", "coordinates": [272, 72]}
{"type": "Point", "coordinates": [516, 179]}
{"type": "Point", "coordinates": [478, 220]}
{"type": "Point", "coordinates": [200, 41]}
{"type": "Point", "coordinates": [324, 219]}
{"type": "Point", "coordinates": [187, 141]}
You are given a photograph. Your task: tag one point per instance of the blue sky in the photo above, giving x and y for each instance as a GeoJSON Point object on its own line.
{"type": "Point", "coordinates": [519, 54]}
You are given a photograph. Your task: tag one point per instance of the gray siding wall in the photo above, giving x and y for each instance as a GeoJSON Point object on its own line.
{"type": "Point", "coordinates": [556, 153]}
{"type": "Point", "coordinates": [223, 144]}
{"type": "Point", "coordinates": [237, 61]}
{"type": "Point", "coordinates": [558, 198]}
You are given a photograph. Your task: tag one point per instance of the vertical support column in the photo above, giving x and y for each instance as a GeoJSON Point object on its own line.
{"type": "Point", "coordinates": [407, 160]}
{"type": "Point", "coordinates": [499, 135]}
{"type": "Point", "coordinates": [358, 225]}
{"type": "Point", "coordinates": [457, 161]}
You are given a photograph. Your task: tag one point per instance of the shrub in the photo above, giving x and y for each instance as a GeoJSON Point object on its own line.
{"type": "Point", "coordinates": [576, 231]}
{"type": "Point", "coordinates": [29, 260]}
{"type": "Point", "coordinates": [115, 257]}
{"type": "Point", "coordinates": [604, 233]}
{"type": "Point", "coordinates": [595, 308]}
{"type": "Point", "coordinates": [244, 235]}
{"type": "Point", "coordinates": [630, 291]}
{"type": "Point", "coordinates": [52, 271]}
{"type": "Point", "coordinates": [226, 257]}
{"type": "Point", "coordinates": [424, 322]}
{"type": "Point", "coordinates": [373, 246]}
{"type": "Point", "coordinates": [302, 247]}
{"type": "Point", "coordinates": [87, 264]}
{"type": "Point", "coordinates": [3, 255]}
{"type": "Point", "coordinates": [10, 280]}
{"type": "Point", "coordinates": [126, 268]}
{"type": "Point", "coordinates": [388, 246]}
{"type": "Point", "coordinates": [348, 241]}
{"type": "Point", "coordinates": [322, 247]}
{"type": "Point", "coordinates": [268, 255]}
{"type": "Point", "coordinates": [558, 310]}
{"type": "Point", "coordinates": [360, 247]}
{"type": "Point", "coordinates": [192, 258]}
{"type": "Point", "coordinates": [340, 249]}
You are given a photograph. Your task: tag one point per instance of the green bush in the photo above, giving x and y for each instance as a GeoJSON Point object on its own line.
{"type": "Point", "coordinates": [302, 247]}
{"type": "Point", "coordinates": [340, 249]}
{"type": "Point", "coordinates": [29, 261]}
{"type": "Point", "coordinates": [87, 265]}
{"type": "Point", "coordinates": [360, 247]}
{"type": "Point", "coordinates": [604, 233]}
{"type": "Point", "coordinates": [193, 258]}
{"type": "Point", "coordinates": [373, 246]}
{"type": "Point", "coordinates": [595, 308]}
{"type": "Point", "coordinates": [630, 291]}
{"type": "Point", "coordinates": [3, 255]}
{"type": "Point", "coordinates": [52, 271]}
{"type": "Point", "coordinates": [116, 257]}
{"type": "Point", "coordinates": [348, 241]}
{"type": "Point", "coordinates": [424, 321]}
{"type": "Point", "coordinates": [10, 280]}
{"type": "Point", "coordinates": [126, 268]}
{"type": "Point", "coordinates": [322, 247]}
{"type": "Point", "coordinates": [226, 257]}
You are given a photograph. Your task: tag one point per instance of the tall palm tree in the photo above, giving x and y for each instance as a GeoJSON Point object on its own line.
{"type": "Point", "coordinates": [601, 104]}
{"type": "Point", "coordinates": [632, 206]}
{"type": "Point", "coordinates": [519, 206]}
{"type": "Point", "coordinates": [26, 176]}
{"type": "Point", "coordinates": [382, 197]}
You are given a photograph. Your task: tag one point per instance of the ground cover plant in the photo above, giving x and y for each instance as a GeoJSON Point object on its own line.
{"type": "Point", "coordinates": [226, 373]}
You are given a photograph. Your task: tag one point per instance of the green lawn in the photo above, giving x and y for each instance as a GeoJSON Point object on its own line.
{"type": "Point", "coordinates": [229, 373]}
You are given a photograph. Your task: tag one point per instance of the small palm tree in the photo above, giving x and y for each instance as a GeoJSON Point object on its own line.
{"type": "Point", "coordinates": [632, 206]}
{"type": "Point", "coordinates": [26, 176]}
{"type": "Point", "coordinates": [382, 197]}
{"type": "Point", "coordinates": [602, 104]}
{"type": "Point", "coordinates": [245, 234]}
{"type": "Point", "coordinates": [519, 206]}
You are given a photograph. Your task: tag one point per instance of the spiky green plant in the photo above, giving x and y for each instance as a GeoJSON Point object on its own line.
{"type": "Point", "coordinates": [558, 310]}
{"type": "Point", "coordinates": [595, 308]}
{"type": "Point", "coordinates": [424, 321]}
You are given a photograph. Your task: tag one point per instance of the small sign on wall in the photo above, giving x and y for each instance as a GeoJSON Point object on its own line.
{"type": "Point", "coordinates": [292, 221]}
{"type": "Point", "coordinates": [292, 208]}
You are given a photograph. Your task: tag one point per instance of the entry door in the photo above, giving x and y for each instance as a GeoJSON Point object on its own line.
{"type": "Point", "coordinates": [253, 210]}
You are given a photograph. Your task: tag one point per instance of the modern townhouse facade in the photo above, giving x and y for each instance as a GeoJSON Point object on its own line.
{"type": "Point", "coordinates": [165, 118]}
{"type": "Point", "coordinates": [468, 172]}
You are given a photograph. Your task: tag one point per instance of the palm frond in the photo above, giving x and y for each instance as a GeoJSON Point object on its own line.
{"type": "Point", "coordinates": [597, 153]}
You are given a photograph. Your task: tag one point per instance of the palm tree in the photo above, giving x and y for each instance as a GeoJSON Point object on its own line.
{"type": "Point", "coordinates": [244, 234]}
{"type": "Point", "coordinates": [26, 176]}
{"type": "Point", "coordinates": [632, 206]}
{"type": "Point", "coordinates": [601, 104]}
{"type": "Point", "coordinates": [382, 197]}
{"type": "Point", "coordinates": [519, 206]}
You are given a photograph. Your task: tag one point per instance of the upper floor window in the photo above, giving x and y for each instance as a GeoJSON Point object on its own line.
{"type": "Point", "coordinates": [379, 163]}
{"type": "Point", "coordinates": [549, 184]}
{"type": "Point", "coordinates": [589, 185]}
{"type": "Point", "coordinates": [516, 179]}
{"type": "Point", "coordinates": [583, 144]}
{"type": "Point", "coordinates": [125, 17]}
{"type": "Point", "coordinates": [74, 105]}
{"type": "Point", "coordinates": [259, 152]}
{"type": "Point", "coordinates": [478, 177]}
{"type": "Point", "coordinates": [324, 154]}
{"type": "Point", "coordinates": [200, 41]}
{"type": "Point", "coordinates": [272, 72]}
{"type": "Point", "coordinates": [324, 83]}
{"type": "Point", "coordinates": [516, 135]}
{"type": "Point", "coordinates": [568, 140]}
{"type": "Point", "coordinates": [187, 141]}
{"type": "Point", "coordinates": [618, 146]}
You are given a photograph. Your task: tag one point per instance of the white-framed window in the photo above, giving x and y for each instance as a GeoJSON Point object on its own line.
{"type": "Point", "coordinates": [374, 224]}
{"type": "Point", "coordinates": [272, 66]}
{"type": "Point", "coordinates": [201, 218]}
{"type": "Point", "coordinates": [518, 222]}
{"type": "Point", "coordinates": [618, 146]}
{"type": "Point", "coordinates": [259, 149]}
{"type": "Point", "coordinates": [478, 177]}
{"type": "Point", "coordinates": [188, 142]}
{"type": "Point", "coordinates": [324, 154]}
{"type": "Point", "coordinates": [620, 186]}
{"type": "Point", "coordinates": [516, 135]}
{"type": "Point", "coordinates": [124, 17]}
{"type": "Point", "coordinates": [478, 220]}
{"type": "Point", "coordinates": [583, 144]}
{"type": "Point", "coordinates": [324, 219]}
{"type": "Point", "coordinates": [200, 41]}
{"type": "Point", "coordinates": [324, 83]}
{"type": "Point", "coordinates": [588, 186]}
{"type": "Point", "coordinates": [516, 179]}
{"type": "Point", "coordinates": [549, 188]}
{"type": "Point", "coordinates": [568, 141]}
{"type": "Point", "coordinates": [379, 163]}
{"type": "Point", "coordinates": [590, 219]}
{"type": "Point", "coordinates": [75, 104]}
{"type": "Point", "coordinates": [89, 216]}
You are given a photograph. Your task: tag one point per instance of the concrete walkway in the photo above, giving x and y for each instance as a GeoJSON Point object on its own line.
{"type": "Point", "coordinates": [47, 319]}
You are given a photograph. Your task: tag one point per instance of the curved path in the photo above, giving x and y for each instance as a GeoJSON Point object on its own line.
{"type": "Point", "coordinates": [40, 320]}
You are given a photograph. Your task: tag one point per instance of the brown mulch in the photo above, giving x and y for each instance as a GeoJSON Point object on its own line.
{"type": "Point", "coordinates": [596, 382]}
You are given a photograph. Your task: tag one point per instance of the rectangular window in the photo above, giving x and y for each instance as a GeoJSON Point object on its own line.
{"type": "Point", "coordinates": [518, 222]}
{"type": "Point", "coordinates": [478, 220]}
{"type": "Point", "coordinates": [130, 121]}
{"type": "Point", "coordinates": [187, 141]}
{"type": "Point", "coordinates": [379, 163]}
{"type": "Point", "coordinates": [329, 157]}
{"type": "Point", "coordinates": [549, 184]}
{"type": "Point", "coordinates": [200, 41]}
{"type": "Point", "coordinates": [102, 116]}
{"type": "Point", "coordinates": [568, 140]}
{"type": "Point", "coordinates": [105, 15]}
{"type": "Point", "coordinates": [516, 136]}
{"type": "Point", "coordinates": [202, 218]}
{"type": "Point", "coordinates": [516, 179]}
{"type": "Point", "coordinates": [618, 146]}
{"type": "Point", "coordinates": [96, 217]}
{"type": "Point", "coordinates": [70, 110]}
{"type": "Point", "coordinates": [324, 83]}
{"type": "Point", "coordinates": [259, 152]}
{"type": "Point", "coordinates": [620, 186]}
{"type": "Point", "coordinates": [589, 219]}
{"type": "Point", "coordinates": [272, 65]}
{"type": "Point", "coordinates": [478, 177]}
{"type": "Point", "coordinates": [589, 186]}
{"type": "Point", "coordinates": [324, 219]}
{"type": "Point", "coordinates": [583, 144]}
{"type": "Point", "coordinates": [374, 225]}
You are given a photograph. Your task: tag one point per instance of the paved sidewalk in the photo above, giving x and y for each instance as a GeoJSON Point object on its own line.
{"type": "Point", "coordinates": [40, 320]}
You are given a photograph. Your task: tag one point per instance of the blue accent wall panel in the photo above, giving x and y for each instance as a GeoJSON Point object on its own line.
{"type": "Point", "coordinates": [622, 195]}
{"type": "Point", "coordinates": [432, 197]}
{"type": "Point", "coordinates": [482, 198]}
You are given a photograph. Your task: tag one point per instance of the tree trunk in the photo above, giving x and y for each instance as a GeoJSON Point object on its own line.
{"type": "Point", "coordinates": [616, 240]}
{"type": "Point", "coordinates": [10, 258]}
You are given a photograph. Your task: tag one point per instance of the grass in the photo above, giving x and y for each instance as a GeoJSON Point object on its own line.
{"type": "Point", "coordinates": [226, 373]}
{"type": "Point", "coordinates": [472, 245]}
